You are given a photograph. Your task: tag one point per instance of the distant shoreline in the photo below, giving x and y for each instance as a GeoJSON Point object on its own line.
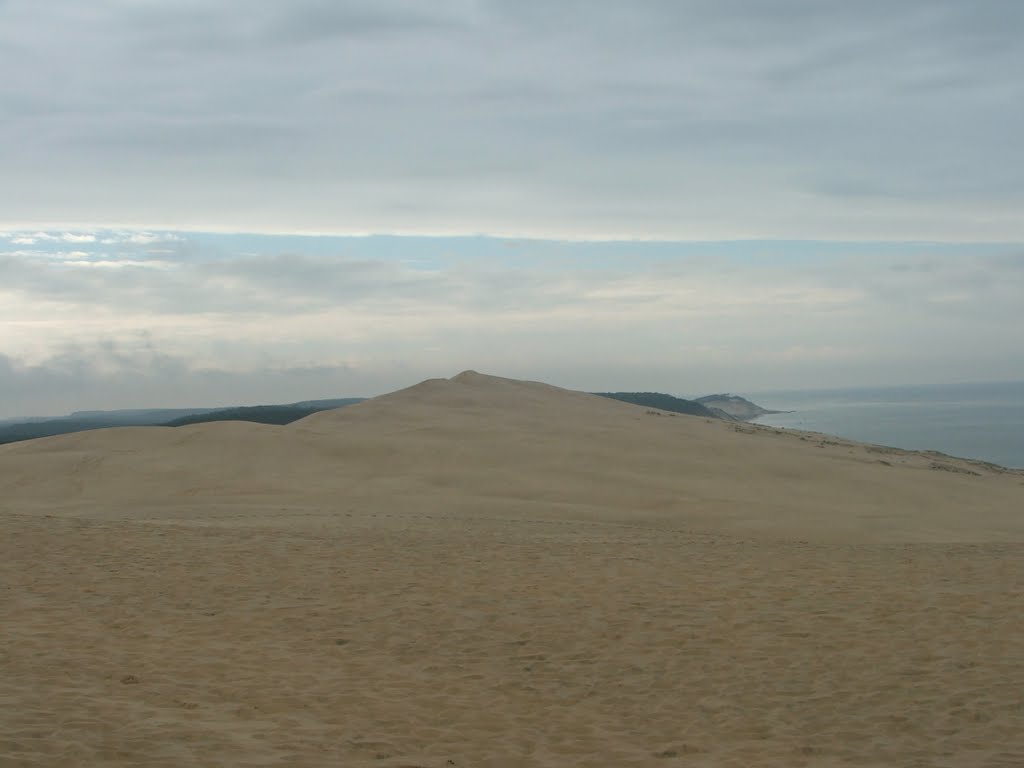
{"type": "Point", "coordinates": [980, 423]}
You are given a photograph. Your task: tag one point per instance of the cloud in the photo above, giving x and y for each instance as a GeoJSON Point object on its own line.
{"type": "Point", "coordinates": [112, 264]}
{"type": "Point", "coordinates": [112, 375]}
{"type": "Point", "coordinates": [679, 317]}
{"type": "Point", "coordinates": [296, 284]}
{"type": "Point", "coordinates": [315, 20]}
{"type": "Point", "coordinates": [134, 237]}
{"type": "Point", "coordinates": [671, 120]}
{"type": "Point", "coordinates": [49, 237]}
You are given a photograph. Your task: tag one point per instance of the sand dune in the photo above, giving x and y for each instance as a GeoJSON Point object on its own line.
{"type": "Point", "coordinates": [482, 445]}
{"type": "Point", "coordinates": [488, 572]}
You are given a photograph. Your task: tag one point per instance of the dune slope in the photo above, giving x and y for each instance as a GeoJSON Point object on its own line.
{"type": "Point", "coordinates": [485, 445]}
{"type": "Point", "coordinates": [486, 572]}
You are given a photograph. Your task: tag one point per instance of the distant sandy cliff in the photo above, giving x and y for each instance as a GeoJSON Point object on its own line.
{"type": "Point", "coordinates": [733, 406]}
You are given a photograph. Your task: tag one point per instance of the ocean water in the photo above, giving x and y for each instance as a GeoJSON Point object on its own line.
{"type": "Point", "coordinates": [976, 421]}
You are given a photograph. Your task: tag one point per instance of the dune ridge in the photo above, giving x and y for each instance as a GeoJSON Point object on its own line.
{"type": "Point", "coordinates": [480, 571]}
{"type": "Point", "coordinates": [488, 443]}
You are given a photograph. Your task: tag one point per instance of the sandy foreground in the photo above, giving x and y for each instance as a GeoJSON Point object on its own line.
{"type": "Point", "coordinates": [485, 572]}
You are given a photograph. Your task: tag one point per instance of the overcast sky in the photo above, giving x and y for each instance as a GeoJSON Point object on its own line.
{"type": "Point", "coordinates": [834, 188]}
{"type": "Point", "coordinates": [689, 119]}
{"type": "Point", "coordinates": [103, 319]}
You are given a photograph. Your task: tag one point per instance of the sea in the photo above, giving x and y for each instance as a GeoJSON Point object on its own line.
{"type": "Point", "coordinates": [974, 421]}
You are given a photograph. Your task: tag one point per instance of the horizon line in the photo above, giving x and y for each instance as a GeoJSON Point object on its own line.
{"type": "Point", "coordinates": [71, 227]}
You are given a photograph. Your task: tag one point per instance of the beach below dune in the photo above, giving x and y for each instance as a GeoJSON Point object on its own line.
{"type": "Point", "coordinates": [397, 640]}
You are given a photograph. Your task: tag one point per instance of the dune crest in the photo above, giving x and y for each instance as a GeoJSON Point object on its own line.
{"type": "Point", "coordinates": [509, 447]}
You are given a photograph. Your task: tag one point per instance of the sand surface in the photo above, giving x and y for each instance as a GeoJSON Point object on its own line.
{"type": "Point", "coordinates": [484, 572]}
